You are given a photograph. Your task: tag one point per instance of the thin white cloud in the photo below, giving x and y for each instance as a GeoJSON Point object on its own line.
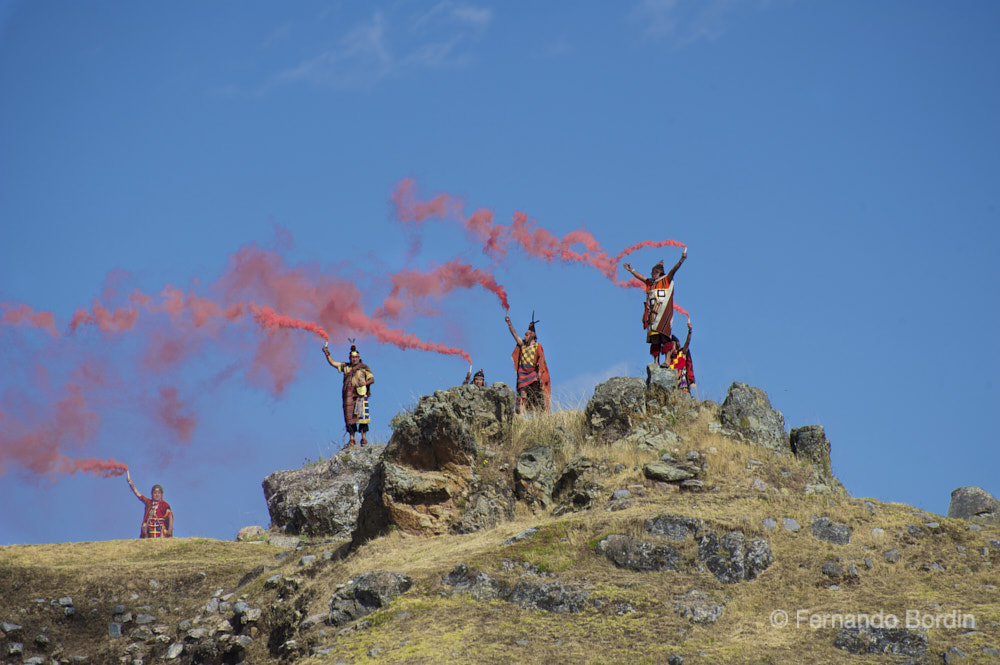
{"type": "Point", "coordinates": [439, 38]}
{"type": "Point", "coordinates": [576, 391]}
{"type": "Point", "coordinates": [683, 22]}
{"type": "Point", "coordinates": [360, 59]}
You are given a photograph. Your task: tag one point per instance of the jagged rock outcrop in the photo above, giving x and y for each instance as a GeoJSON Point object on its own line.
{"type": "Point", "coordinates": [748, 411]}
{"type": "Point", "coordinates": [427, 481]}
{"type": "Point", "coordinates": [810, 443]}
{"type": "Point", "coordinates": [616, 406]}
{"type": "Point", "coordinates": [975, 505]}
{"type": "Point", "coordinates": [322, 499]}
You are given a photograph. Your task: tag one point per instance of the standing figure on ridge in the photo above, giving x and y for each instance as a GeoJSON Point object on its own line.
{"type": "Point", "coordinates": [680, 361]}
{"type": "Point", "coordinates": [478, 380]}
{"type": "Point", "coordinates": [358, 379]}
{"type": "Point", "coordinates": [534, 388]}
{"type": "Point", "coordinates": [158, 519]}
{"type": "Point", "coordinates": [658, 310]}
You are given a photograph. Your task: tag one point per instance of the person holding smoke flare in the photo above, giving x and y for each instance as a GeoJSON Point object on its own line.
{"type": "Point", "coordinates": [478, 380]}
{"type": "Point", "coordinates": [534, 387]}
{"type": "Point", "coordinates": [658, 309]}
{"type": "Point", "coordinates": [680, 361]}
{"type": "Point", "coordinates": [356, 391]}
{"type": "Point", "coordinates": [158, 519]}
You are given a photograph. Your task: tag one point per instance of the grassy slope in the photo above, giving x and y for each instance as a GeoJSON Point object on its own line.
{"type": "Point", "coordinates": [424, 626]}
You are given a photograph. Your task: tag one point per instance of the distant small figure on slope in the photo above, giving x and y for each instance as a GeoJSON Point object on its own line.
{"type": "Point", "coordinates": [478, 380]}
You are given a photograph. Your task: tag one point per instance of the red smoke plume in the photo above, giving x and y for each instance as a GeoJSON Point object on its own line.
{"type": "Point", "coordinates": [533, 240]}
{"type": "Point", "coordinates": [267, 318]}
{"type": "Point", "coordinates": [646, 243]}
{"type": "Point", "coordinates": [24, 315]}
{"type": "Point", "coordinates": [436, 283]}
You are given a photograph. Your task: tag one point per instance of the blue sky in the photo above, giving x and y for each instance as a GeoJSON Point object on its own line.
{"type": "Point", "coordinates": [834, 168]}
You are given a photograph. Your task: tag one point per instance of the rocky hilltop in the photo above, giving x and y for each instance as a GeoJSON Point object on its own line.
{"type": "Point", "coordinates": [650, 527]}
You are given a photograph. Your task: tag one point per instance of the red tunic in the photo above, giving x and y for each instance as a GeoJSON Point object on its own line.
{"type": "Point", "coordinates": [155, 517]}
{"type": "Point", "coordinates": [533, 376]}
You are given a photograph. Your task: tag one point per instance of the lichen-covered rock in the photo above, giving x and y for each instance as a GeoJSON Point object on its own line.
{"type": "Point", "coordinates": [365, 594]}
{"type": "Point", "coordinates": [882, 641]}
{"type": "Point", "coordinates": [552, 596]}
{"type": "Point", "coordinates": [322, 499]}
{"type": "Point", "coordinates": [831, 532]}
{"type": "Point", "coordinates": [639, 555]}
{"type": "Point", "coordinates": [577, 487]}
{"type": "Point", "coordinates": [674, 527]}
{"type": "Point", "coordinates": [732, 558]}
{"type": "Point", "coordinates": [613, 410]}
{"type": "Point", "coordinates": [698, 607]}
{"type": "Point", "coordinates": [975, 505]}
{"type": "Point", "coordinates": [478, 584]}
{"type": "Point", "coordinates": [534, 477]}
{"type": "Point", "coordinates": [427, 482]}
{"type": "Point", "coordinates": [747, 410]}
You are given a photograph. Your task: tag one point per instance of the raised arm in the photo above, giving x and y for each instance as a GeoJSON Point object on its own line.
{"type": "Point", "coordinates": [512, 332]}
{"type": "Point", "coordinates": [687, 342]}
{"type": "Point", "coordinates": [128, 477]}
{"type": "Point", "coordinates": [638, 275]}
{"type": "Point", "coordinates": [670, 275]}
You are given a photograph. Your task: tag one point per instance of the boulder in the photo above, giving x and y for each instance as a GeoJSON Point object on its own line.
{"type": "Point", "coordinates": [639, 555]}
{"type": "Point", "coordinates": [731, 558]}
{"type": "Point", "coordinates": [698, 607]}
{"type": "Point", "coordinates": [748, 411]}
{"type": "Point", "coordinates": [616, 406]}
{"type": "Point", "coordinates": [810, 443]}
{"type": "Point", "coordinates": [322, 499]}
{"type": "Point", "coordinates": [824, 529]}
{"type": "Point", "coordinates": [577, 487]}
{"type": "Point", "coordinates": [478, 584]}
{"type": "Point", "coordinates": [534, 476]}
{"type": "Point", "coordinates": [674, 527]}
{"type": "Point", "coordinates": [427, 482]}
{"type": "Point", "coordinates": [975, 505]}
{"type": "Point", "coordinates": [668, 472]}
{"type": "Point", "coordinates": [882, 641]}
{"type": "Point", "coordinates": [365, 594]}
{"type": "Point", "coordinates": [551, 596]}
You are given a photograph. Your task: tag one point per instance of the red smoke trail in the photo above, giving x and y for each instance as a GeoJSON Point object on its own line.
{"type": "Point", "coordinates": [436, 283]}
{"type": "Point", "coordinates": [678, 308]}
{"type": "Point", "coordinates": [268, 318]}
{"type": "Point", "coordinates": [534, 240]}
{"type": "Point", "coordinates": [22, 314]}
{"type": "Point", "coordinates": [38, 448]}
{"type": "Point", "coordinates": [102, 468]}
{"type": "Point", "coordinates": [646, 243]}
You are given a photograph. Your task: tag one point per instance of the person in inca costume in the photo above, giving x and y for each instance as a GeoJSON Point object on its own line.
{"type": "Point", "coordinates": [478, 380]}
{"type": "Point", "coordinates": [534, 387]}
{"type": "Point", "coordinates": [658, 309]}
{"type": "Point", "coordinates": [356, 392]}
{"type": "Point", "coordinates": [157, 519]}
{"type": "Point", "coordinates": [680, 361]}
